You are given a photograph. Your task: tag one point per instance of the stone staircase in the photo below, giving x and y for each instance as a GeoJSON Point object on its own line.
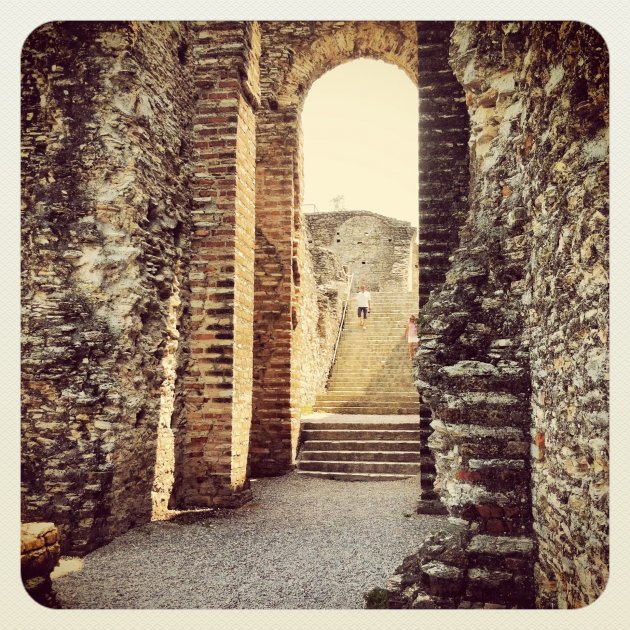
{"type": "Point", "coordinates": [366, 425]}
{"type": "Point", "coordinates": [360, 448]}
{"type": "Point", "coordinates": [372, 373]}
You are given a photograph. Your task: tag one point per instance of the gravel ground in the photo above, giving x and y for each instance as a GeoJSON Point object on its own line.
{"type": "Point", "coordinates": [301, 543]}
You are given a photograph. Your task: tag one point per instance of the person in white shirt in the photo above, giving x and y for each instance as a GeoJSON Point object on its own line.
{"type": "Point", "coordinates": [364, 303]}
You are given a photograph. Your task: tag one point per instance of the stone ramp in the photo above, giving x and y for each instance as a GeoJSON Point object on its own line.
{"type": "Point", "coordinates": [351, 447]}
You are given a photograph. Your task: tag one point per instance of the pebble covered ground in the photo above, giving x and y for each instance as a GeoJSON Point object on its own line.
{"type": "Point", "coordinates": [302, 543]}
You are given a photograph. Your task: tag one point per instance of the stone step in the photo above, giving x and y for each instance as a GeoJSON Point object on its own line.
{"type": "Point", "coordinates": [383, 347]}
{"type": "Point", "coordinates": [340, 466]}
{"type": "Point", "coordinates": [345, 396]}
{"type": "Point", "coordinates": [360, 456]}
{"type": "Point", "coordinates": [372, 385]}
{"type": "Point", "coordinates": [363, 400]}
{"type": "Point", "coordinates": [367, 391]}
{"type": "Point", "coordinates": [370, 400]}
{"type": "Point", "coordinates": [361, 445]}
{"type": "Point", "coordinates": [361, 434]}
{"type": "Point", "coordinates": [357, 390]}
{"type": "Point", "coordinates": [366, 410]}
{"type": "Point", "coordinates": [498, 512]}
{"type": "Point", "coordinates": [496, 550]}
{"type": "Point", "coordinates": [343, 476]}
{"type": "Point", "coordinates": [381, 374]}
{"type": "Point", "coordinates": [367, 427]}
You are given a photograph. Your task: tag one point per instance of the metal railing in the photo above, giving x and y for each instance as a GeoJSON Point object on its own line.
{"type": "Point", "coordinates": [341, 323]}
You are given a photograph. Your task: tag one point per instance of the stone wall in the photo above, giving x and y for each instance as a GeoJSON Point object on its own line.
{"type": "Point", "coordinates": [378, 250]}
{"type": "Point", "coordinates": [517, 335]}
{"type": "Point", "coordinates": [323, 288]}
{"type": "Point", "coordinates": [564, 100]}
{"type": "Point", "coordinates": [105, 229]}
{"type": "Point", "coordinates": [39, 554]}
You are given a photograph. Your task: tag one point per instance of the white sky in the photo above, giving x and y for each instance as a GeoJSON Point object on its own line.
{"type": "Point", "coordinates": [360, 124]}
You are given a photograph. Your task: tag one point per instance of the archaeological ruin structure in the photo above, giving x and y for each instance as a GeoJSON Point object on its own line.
{"type": "Point", "coordinates": [177, 320]}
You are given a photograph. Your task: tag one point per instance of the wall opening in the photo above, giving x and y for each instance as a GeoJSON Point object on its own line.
{"type": "Point", "coordinates": [360, 127]}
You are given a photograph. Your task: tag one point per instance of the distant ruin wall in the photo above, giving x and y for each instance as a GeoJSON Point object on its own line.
{"type": "Point", "coordinates": [378, 250]}
{"type": "Point", "coordinates": [105, 228]}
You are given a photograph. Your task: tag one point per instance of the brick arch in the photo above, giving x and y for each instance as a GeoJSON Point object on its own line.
{"type": "Point", "coordinates": [294, 55]}
{"type": "Point", "coordinates": [392, 42]}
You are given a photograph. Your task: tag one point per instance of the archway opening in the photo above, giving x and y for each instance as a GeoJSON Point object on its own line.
{"type": "Point", "coordinates": [359, 125]}
{"type": "Point", "coordinates": [360, 138]}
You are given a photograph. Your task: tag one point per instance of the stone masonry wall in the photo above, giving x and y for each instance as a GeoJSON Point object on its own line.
{"type": "Point", "coordinates": [509, 330]}
{"type": "Point", "coordinates": [106, 108]}
{"type": "Point", "coordinates": [376, 249]}
{"type": "Point", "coordinates": [324, 287]}
{"type": "Point", "coordinates": [39, 554]}
{"type": "Point", "coordinates": [565, 112]}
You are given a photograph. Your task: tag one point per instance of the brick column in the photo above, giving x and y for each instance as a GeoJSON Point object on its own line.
{"type": "Point", "coordinates": [443, 185]}
{"type": "Point", "coordinates": [219, 378]}
{"type": "Point", "coordinates": [274, 422]}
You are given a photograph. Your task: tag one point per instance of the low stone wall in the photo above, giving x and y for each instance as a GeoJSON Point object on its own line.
{"type": "Point", "coordinates": [39, 554]}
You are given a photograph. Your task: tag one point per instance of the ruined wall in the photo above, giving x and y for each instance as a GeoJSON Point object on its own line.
{"type": "Point", "coordinates": [39, 554]}
{"type": "Point", "coordinates": [324, 289]}
{"type": "Point", "coordinates": [520, 324]}
{"type": "Point", "coordinates": [106, 109]}
{"type": "Point", "coordinates": [376, 249]}
{"type": "Point", "coordinates": [563, 94]}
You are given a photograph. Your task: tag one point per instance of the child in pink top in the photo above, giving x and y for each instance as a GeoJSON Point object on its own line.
{"type": "Point", "coordinates": [411, 332]}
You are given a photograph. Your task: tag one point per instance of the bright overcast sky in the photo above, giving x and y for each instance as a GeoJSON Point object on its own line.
{"type": "Point", "coordinates": [360, 124]}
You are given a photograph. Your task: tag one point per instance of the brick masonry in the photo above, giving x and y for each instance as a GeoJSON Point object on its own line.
{"type": "Point", "coordinates": [214, 438]}
{"type": "Point", "coordinates": [294, 55]}
{"type": "Point", "coordinates": [443, 188]}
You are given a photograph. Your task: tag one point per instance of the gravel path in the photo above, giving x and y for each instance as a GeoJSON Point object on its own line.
{"type": "Point", "coordinates": [301, 543]}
